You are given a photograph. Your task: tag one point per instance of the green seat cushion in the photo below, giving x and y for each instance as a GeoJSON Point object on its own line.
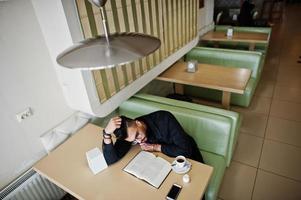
{"type": "Point", "coordinates": [227, 58]}
{"type": "Point", "coordinates": [241, 45]}
{"type": "Point", "coordinates": [267, 30]}
{"type": "Point", "coordinates": [219, 164]}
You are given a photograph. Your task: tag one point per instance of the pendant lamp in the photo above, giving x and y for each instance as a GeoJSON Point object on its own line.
{"type": "Point", "coordinates": [107, 50]}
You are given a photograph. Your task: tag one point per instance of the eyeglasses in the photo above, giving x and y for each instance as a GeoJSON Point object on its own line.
{"type": "Point", "coordinates": [138, 136]}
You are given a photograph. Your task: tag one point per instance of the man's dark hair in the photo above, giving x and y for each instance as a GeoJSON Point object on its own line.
{"type": "Point", "coordinates": [121, 133]}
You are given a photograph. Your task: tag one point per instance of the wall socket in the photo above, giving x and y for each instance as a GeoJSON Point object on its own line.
{"type": "Point", "coordinates": [24, 114]}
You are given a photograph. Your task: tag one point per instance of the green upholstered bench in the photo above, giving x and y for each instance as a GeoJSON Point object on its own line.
{"type": "Point", "coordinates": [242, 45]}
{"type": "Point", "coordinates": [214, 130]}
{"type": "Point", "coordinates": [227, 57]}
{"type": "Point", "coordinates": [263, 48]}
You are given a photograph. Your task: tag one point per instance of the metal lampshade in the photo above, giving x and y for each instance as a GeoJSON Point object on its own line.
{"type": "Point", "coordinates": [108, 50]}
{"type": "Point", "coordinates": [96, 53]}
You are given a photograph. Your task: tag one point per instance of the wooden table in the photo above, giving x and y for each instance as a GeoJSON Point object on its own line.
{"type": "Point", "coordinates": [247, 37]}
{"type": "Point", "coordinates": [67, 167]}
{"type": "Point", "coordinates": [227, 79]}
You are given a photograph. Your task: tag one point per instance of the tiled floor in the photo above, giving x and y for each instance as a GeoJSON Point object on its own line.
{"type": "Point", "coordinates": [267, 160]}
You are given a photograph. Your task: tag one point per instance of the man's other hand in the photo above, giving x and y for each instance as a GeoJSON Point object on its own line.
{"type": "Point", "coordinates": [150, 147]}
{"type": "Point", "coordinates": [113, 124]}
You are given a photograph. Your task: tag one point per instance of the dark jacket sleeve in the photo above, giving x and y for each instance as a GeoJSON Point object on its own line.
{"type": "Point", "coordinates": [114, 152]}
{"type": "Point", "coordinates": [181, 143]}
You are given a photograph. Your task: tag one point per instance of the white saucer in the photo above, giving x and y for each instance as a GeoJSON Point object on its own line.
{"type": "Point", "coordinates": [181, 170]}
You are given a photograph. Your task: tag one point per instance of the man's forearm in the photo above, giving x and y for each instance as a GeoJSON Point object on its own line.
{"type": "Point", "coordinates": [109, 153]}
{"type": "Point", "coordinates": [114, 152]}
{"type": "Point", "coordinates": [174, 150]}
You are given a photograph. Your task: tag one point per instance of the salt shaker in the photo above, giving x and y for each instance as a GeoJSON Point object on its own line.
{"type": "Point", "coordinates": [186, 178]}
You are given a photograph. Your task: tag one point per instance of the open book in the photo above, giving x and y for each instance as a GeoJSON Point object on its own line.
{"type": "Point", "coordinates": [148, 167]}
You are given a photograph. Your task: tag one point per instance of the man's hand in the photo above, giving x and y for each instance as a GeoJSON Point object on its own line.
{"type": "Point", "coordinates": [113, 124]}
{"type": "Point", "coordinates": [150, 147]}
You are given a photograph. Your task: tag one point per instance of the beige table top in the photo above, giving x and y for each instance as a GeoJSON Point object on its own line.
{"type": "Point", "coordinates": [237, 37]}
{"type": "Point", "coordinates": [67, 167]}
{"type": "Point", "coordinates": [229, 79]}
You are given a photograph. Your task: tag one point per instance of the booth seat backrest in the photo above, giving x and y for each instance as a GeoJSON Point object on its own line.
{"type": "Point", "coordinates": [227, 57]}
{"type": "Point", "coordinates": [198, 107]}
{"type": "Point", "coordinates": [261, 46]}
{"type": "Point", "coordinates": [210, 131]}
{"type": "Point", "coordinates": [245, 29]}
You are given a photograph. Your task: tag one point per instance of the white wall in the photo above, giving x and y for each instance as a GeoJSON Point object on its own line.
{"type": "Point", "coordinates": [27, 79]}
{"type": "Point", "coordinates": [205, 17]}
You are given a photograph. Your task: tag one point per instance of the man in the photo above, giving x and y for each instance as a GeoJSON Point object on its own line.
{"type": "Point", "coordinates": [245, 17]}
{"type": "Point", "coordinates": [158, 131]}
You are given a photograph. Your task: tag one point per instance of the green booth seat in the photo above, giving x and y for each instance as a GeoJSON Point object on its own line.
{"type": "Point", "coordinates": [228, 58]}
{"type": "Point", "coordinates": [259, 47]}
{"type": "Point", "coordinates": [214, 130]}
{"type": "Point", "coordinates": [242, 45]}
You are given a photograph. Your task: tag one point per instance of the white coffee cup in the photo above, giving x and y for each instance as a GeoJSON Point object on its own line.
{"type": "Point", "coordinates": [180, 161]}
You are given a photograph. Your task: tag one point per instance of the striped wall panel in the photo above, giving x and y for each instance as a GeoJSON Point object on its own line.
{"type": "Point", "coordinates": [173, 21]}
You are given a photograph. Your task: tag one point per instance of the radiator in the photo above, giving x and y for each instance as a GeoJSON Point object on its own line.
{"type": "Point", "coordinates": [31, 186]}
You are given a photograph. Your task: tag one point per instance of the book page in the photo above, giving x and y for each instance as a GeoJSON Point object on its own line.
{"type": "Point", "coordinates": [148, 167]}
{"type": "Point", "coordinates": [156, 171]}
{"type": "Point", "coordinates": [139, 163]}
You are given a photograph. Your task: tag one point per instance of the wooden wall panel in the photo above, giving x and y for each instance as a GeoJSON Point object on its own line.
{"type": "Point", "coordinates": [173, 21]}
